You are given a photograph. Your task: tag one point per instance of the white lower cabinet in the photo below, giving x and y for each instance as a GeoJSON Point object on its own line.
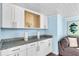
{"type": "Point", "coordinates": [18, 53]}
{"type": "Point", "coordinates": [23, 53]}
{"type": "Point", "coordinates": [13, 54]}
{"type": "Point", "coordinates": [32, 49]}
{"type": "Point", "coordinates": [23, 50]}
{"type": "Point", "coordinates": [15, 51]}
{"type": "Point", "coordinates": [39, 48]}
{"type": "Point", "coordinates": [11, 51]}
{"type": "Point", "coordinates": [45, 47]}
{"type": "Point", "coordinates": [50, 45]}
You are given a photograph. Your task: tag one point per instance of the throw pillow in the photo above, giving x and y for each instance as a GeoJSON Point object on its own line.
{"type": "Point", "coordinates": [73, 42]}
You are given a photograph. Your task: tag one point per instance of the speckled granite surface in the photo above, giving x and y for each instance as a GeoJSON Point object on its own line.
{"type": "Point", "coordinates": [12, 42]}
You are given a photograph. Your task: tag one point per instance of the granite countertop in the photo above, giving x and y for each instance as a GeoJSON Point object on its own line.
{"type": "Point", "coordinates": [12, 42]}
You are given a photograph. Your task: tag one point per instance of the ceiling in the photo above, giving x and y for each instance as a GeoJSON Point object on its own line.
{"type": "Point", "coordinates": [65, 9]}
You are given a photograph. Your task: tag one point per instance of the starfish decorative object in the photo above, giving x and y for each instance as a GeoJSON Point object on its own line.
{"type": "Point", "coordinates": [73, 28]}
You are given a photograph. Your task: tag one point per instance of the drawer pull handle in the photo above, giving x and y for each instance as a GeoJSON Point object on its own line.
{"type": "Point", "coordinates": [32, 45]}
{"type": "Point", "coordinates": [16, 49]}
{"type": "Point", "coordinates": [42, 42]}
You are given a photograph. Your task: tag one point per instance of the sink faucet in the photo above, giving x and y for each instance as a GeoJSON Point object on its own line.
{"type": "Point", "coordinates": [26, 36]}
{"type": "Point", "coordinates": [38, 35]}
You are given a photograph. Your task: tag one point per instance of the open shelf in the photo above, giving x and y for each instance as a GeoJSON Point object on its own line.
{"type": "Point", "coordinates": [32, 20]}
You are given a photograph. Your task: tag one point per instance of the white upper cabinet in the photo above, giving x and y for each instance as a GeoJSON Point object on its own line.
{"type": "Point", "coordinates": [43, 22]}
{"type": "Point", "coordinates": [12, 16]}
{"type": "Point", "coordinates": [19, 17]}
{"type": "Point", "coordinates": [7, 15]}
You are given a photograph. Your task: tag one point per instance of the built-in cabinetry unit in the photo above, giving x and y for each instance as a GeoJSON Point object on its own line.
{"type": "Point", "coordinates": [14, 16]}
{"type": "Point", "coordinates": [7, 16]}
{"type": "Point", "coordinates": [39, 48]}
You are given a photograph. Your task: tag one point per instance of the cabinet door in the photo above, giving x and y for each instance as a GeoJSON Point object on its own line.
{"type": "Point", "coordinates": [24, 50]}
{"type": "Point", "coordinates": [32, 49]}
{"type": "Point", "coordinates": [50, 45]}
{"type": "Point", "coordinates": [10, 51]}
{"type": "Point", "coordinates": [7, 15]}
{"type": "Point", "coordinates": [42, 47]}
{"type": "Point", "coordinates": [19, 17]}
{"type": "Point", "coordinates": [43, 22]}
{"type": "Point", "coordinates": [13, 53]}
{"type": "Point", "coordinates": [23, 53]}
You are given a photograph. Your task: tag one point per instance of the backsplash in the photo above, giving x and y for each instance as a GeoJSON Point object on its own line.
{"type": "Point", "coordinates": [12, 33]}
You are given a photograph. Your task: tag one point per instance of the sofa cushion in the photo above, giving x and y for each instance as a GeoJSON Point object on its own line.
{"type": "Point", "coordinates": [70, 52]}
{"type": "Point", "coordinates": [73, 42]}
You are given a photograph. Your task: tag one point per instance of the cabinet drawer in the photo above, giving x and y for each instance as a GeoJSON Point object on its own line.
{"type": "Point", "coordinates": [44, 42]}
{"type": "Point", "coordinates": [32, 45]}
{"type": "Point", "coordinates": [23, 47]}
{"type": "Point", "coordinates": [10, 51]}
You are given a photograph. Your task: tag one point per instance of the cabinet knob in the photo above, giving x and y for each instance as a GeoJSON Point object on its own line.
{"type": "Point", "coordinates": [32, 45]}
{"type": "Point", "coordinates": [14, 24]}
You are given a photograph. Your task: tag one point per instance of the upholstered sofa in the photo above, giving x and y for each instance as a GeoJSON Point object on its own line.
{"type": "Point", "coordinates": [66, 50]}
